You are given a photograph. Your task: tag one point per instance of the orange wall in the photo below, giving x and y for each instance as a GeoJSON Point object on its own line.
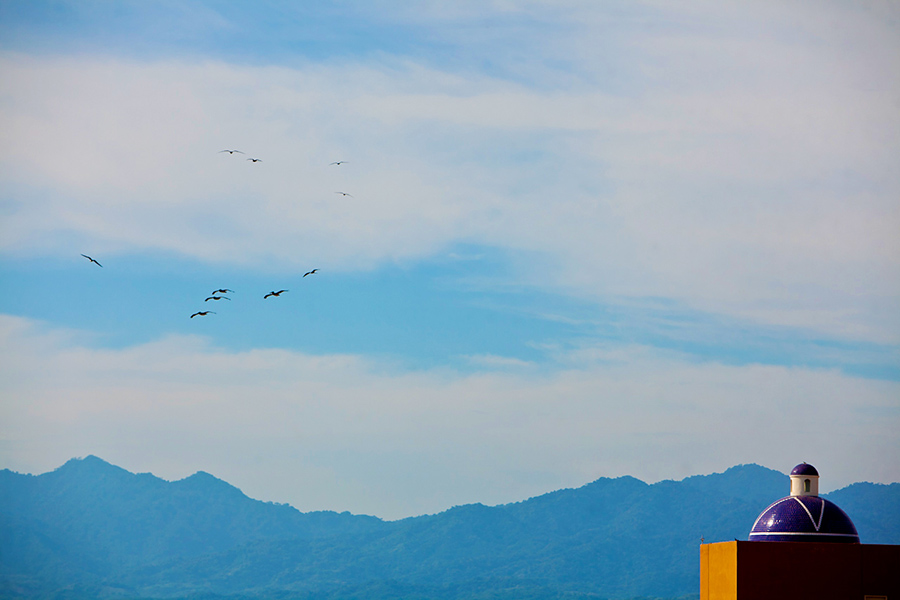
{"type": "Point", "coordinates": [766, 570]}
{"type": "Point", "coordinates": [718, 571]}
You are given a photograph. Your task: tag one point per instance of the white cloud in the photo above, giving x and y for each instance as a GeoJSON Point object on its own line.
{"type": "Point", "coordinates": [492, 361]}
{"type": "Point", "coordinates": [346, 433]}
{"type": "Point", "coordinates": [748, 173]}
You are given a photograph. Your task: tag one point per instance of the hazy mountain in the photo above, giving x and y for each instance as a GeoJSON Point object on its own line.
{"type": "Point", "coordinates": [90, 529]}
{"type": "Point", "coordinates": [89, 519]}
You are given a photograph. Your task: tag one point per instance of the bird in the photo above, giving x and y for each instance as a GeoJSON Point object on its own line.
{"type": "Point", "coordinates": [202, 313]}
{"type": "Point", "coordinates": [310, 273]}
{"type": "Point", "coordinates": [255, 159]}
{"type": "Point", "coordinates": [92, 260]}
{"type": "Point", "coordinates": [221, 291]}
{"type": "Point", "coordinates": [337, 162]}
{"type": "Point", "coordinates": [344, 194]}
{"type": "Point", "coordinates": [230, 151]}
{"type": "Point", "coordinates": [274, 294]}
{"type": "Point", "coordinates": [217, 298]}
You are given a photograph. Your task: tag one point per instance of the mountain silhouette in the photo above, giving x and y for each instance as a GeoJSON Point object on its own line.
{"type": "Point", "coordinates": [90, 529]}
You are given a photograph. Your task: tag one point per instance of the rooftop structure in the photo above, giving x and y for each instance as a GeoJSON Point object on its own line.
{"type": "Point", "coordinates": [804, 516]}
{"type": "Point", "coordinates": [817, 567]}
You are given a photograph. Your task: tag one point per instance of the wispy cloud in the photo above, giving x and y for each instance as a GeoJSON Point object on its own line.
{"type": "Point", "coordinates": [358, 435]}
{"type": "Point", "coordinates": [493, 361]}
{"type": "Point", "coordinates": [719, 199]}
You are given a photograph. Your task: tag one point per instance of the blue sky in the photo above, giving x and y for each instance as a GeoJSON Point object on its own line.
{"type": "Point", "coordinates": [440, 311]}
{"type": "Point", "coordinates": [582, 240]}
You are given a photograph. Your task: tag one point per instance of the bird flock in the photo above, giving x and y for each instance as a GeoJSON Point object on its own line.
{"type": "Point", "coordinates": [222, 293]}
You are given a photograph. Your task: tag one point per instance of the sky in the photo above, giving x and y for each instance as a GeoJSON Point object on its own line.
{"type": "Point", "coordinates": [568, 240]}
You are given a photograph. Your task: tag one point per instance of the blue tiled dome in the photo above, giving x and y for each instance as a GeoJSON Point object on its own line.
{"type": "Point", "coordinates": [804, 516]}
{"type": "Point", "coordinates": [804, 519]}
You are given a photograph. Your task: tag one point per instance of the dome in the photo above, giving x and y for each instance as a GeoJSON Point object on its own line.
{"type": "Point", "coordinates": [805, 469]}
{"type": "Point", "coordinates": [804, 519]}
{"type": "Point", "coordinates": [804, 516]}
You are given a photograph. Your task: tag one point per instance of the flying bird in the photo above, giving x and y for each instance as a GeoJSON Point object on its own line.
{"type": "Point", "coordinates": [202, 313]}
{"type": "Point", "coordinates": [344, 194]}
{"type": "Point", "coordinates": [337, 162]}
{"type": "Point", "coordinates": [217, 298]}
{"type": "Point", "coordinates": [230, 151]}
{"type": "Point", "coordinates": [222, 291]}
{"type": "Point", "coordinates": [274, 294]}
{"type": "Point", "coordinates": [255, 159]}
{"type": "Point", "coordinates": [92, 260]}
{"type": "Point", "coordinates": [310, 273]}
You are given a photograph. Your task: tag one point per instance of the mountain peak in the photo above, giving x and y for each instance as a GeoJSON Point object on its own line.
{"type": "Point", "coordinates": [89, 464]}
{"type": "Point", "coordinates": [90, 459]}
{"type": "Point", "coordinates": [203, 481]}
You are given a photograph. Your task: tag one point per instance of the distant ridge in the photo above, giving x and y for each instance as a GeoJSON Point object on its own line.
{"type": "Point", "coordinates": [96, 530]}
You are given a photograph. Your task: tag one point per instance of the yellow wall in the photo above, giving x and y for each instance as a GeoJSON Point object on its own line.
{"type": "Point", "coordinates": [718, 571]}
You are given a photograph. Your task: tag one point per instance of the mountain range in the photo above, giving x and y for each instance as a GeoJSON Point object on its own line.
{"type": "Point", "coordinates": [90, 529]}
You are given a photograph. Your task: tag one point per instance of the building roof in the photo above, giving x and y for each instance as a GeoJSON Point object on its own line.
{"type": "Point", "coordinates": [804, 518]}
{"type": "Point", "coordinates": [805, 469]}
